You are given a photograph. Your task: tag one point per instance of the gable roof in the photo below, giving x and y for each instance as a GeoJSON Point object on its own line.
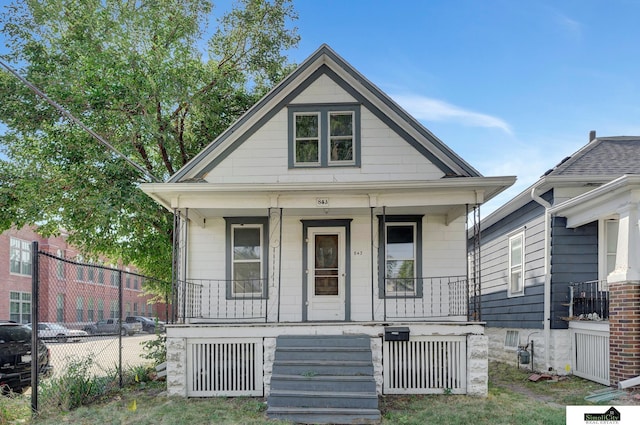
{"type": "Point", "coordinates": [600, 161]}
{"type": "Point", "coordinates": [325, 61]}
{"type": "Point", "coordinates": [603, 156]}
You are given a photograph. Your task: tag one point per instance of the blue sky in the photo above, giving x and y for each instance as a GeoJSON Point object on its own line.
{"type": "Point", "coordinates": [511, 86]}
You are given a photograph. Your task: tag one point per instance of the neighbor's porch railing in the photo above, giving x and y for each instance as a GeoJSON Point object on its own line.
{"type": "Point", "coordinates": [440, 297]}
{"type": "Point", "coordinates": [589, 300]}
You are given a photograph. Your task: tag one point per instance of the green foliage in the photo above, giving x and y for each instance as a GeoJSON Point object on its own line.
{"type": "Point", "coordinates": [14, 408]}
{"type": "Point", "coordinates": [77, 386]}
{"type": "Point", "coordinates": [155, 349]}
{"type": "Point", "coordinates": [140, 75]}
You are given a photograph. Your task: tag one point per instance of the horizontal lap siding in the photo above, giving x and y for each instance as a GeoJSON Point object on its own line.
{"type": "Point", "coordinates": [263, 157]}
{"type": "Point", "coordinates": [498, 309]}
{"type": "Point", "coordinates": [574, 258]}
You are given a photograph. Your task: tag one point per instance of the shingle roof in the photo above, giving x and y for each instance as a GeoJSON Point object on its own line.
{"type": "Point", "coordinates": [603, 156]}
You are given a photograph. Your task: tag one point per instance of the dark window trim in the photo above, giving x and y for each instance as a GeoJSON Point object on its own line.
{"type": "Point", "coordinates": [382, 262]}
{"type": "Point", "coordinates": [324, 110]}
{"type": "Point", "coordinates": [230, 221]}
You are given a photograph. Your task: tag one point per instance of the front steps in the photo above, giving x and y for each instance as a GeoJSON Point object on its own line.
{"type": "Point", "coordinates": [323, 380]}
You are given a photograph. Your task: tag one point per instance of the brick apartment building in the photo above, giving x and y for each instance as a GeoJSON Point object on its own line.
{"type": "Point", "coordinates": [70, 293]}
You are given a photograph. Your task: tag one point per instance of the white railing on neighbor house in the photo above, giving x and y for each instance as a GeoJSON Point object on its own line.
{"type": "Point", "coordinates": [413, 299]}
{"type": "Point", "coordinates": [590, 350]}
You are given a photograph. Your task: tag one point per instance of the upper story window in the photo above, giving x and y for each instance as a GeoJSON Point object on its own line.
{"type": "Point", "coordinates": [324, 135]}
{"type": "Point", "coordinates": [516, 264]}
{"type": "Point", "coordinates": [20, 257]}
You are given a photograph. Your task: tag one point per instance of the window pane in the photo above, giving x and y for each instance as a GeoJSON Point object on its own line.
{"type": "Point", "coordinates": [341, 150]}
{"type": "Point", "coordinates": [516, 251]}
{"type": "Point", "coordinates": [246, 243]}
{"type": "Point", "coordinates": [326, 250]}
{"type": "Point", "coordinates": [400, 242]}
{"type": "Point", "coordinates": [306, 126]}
{"type": "Point", "coordinates": [326, 285]}
{"type": "Point", "coordinates": [307, 150]}
{"type": "Point", "coordinates": [246, 271]}
{"type": "Point", "coordinates": [400, 269]}
{"type": "Point", "coordinates": [341, 124]}
{"type": "Point", "coordinates": [247, 278]}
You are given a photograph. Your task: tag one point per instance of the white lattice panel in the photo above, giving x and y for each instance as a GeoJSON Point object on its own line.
{"type": "Point", "coordinates": [425, 365]}
{"type": "Point", "coordinates": [224, 367]}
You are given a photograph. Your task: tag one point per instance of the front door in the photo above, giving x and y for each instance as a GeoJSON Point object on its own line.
{"type": "Point", "coordinates": [326, 273]}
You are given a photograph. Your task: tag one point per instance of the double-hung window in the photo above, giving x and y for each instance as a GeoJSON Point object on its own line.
{"type": "Point", "coordinates": [324, 135]}
{"type": "Point", "coordinates": [20, 257]}
{"type": "Point", "coordinates": [20, 307]}
{"type": "Point", "coordinates": [400, 266]}
{"type": "Point", "coordinates": [516, 264]}
{"type": "Point", "coordinates": [247, 257]}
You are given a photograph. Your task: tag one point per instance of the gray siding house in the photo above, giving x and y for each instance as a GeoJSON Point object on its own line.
{"type": "Point", "coordinates": [560, 266]}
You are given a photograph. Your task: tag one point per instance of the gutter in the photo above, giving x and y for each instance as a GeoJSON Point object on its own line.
{"type": "Point", "coordinates": [547, 273]}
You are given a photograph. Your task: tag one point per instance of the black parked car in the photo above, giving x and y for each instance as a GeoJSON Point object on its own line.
{"type": "Point", "coordinates": [148, 323]}
{"type": "Point", "coordinates": [16, 356]}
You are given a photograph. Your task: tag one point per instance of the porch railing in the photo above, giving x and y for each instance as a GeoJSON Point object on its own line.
{"type": "Point", "coordinates": [426, 297]}
{"type": "Point", "coordinates": [589, 300]}
{"type": "Point", "coordinates": [209, 299]}
{"type": "Point", "coordinates": [406, 298]}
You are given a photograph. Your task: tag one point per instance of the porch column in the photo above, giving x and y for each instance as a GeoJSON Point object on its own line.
{"type": "Point", "coordinates": [624, 299]}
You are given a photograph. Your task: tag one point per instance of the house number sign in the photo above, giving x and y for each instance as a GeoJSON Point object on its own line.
{"type": "Point", "coordinates": [322, 202]}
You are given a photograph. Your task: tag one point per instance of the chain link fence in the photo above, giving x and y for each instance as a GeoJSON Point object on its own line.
{"type": "Point", "coordinates": [94, 318]}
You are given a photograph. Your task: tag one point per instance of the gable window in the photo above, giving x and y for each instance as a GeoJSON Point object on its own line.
{"type": "Point", "coordinates": [20, 257]}
{"type": "Point", "coordinates": [246, 257]}
{"type": "Point", "coordinates": [324, 135]}
{"type": "Point", "coordinates": [400, 266]}
{"type": "Point", "coordinates": [516, 262]}
{"type": "Point", "coordinates": [307, 141]}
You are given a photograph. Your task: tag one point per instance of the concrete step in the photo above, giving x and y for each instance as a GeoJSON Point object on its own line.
{"type": "Point", "coordinates": [325, 399]}
{"type": "Point", "coordinates": [325, 415]}
{"type": "Point", "coordinates": [325, 353]}
{"type": "Point", "coordinates": [326, 368]}
{"type": "Point", "coordinates": [324, 340]}
{"type": "Point", "coordinates": [311, 382]}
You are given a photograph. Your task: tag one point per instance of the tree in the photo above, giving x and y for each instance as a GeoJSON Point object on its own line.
{"type": "Point", "coordinates": [141, 75]}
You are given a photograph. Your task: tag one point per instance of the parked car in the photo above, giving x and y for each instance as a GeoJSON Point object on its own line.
{"type": "Point", "coordinates": [149, 324]}
{"type": "Point", "coordinates": [16, 356]}
{"type": "Point", "coordinates": [112, 327]}
{"type": "Point", "coordinates": [57, 332]}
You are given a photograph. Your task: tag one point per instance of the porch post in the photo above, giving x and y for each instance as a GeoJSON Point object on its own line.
{"type": "Point", "coordinates": [624, 299]}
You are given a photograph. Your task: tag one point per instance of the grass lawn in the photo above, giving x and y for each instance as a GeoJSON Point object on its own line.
{"type": "Point", "coordinates": [512, 399]}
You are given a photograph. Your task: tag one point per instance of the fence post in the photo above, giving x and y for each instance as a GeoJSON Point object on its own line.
{"type": "Point", "coordinates": [120, 327]}
{"type": "Point", "coordinates": [34, 325]}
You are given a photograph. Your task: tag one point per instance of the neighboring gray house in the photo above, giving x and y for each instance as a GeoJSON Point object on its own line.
{"type": "Point", "coordinates": [560, 269]}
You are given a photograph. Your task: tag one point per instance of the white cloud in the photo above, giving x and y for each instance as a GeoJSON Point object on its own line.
{"type": "Point", "coordinates": [424, 108]}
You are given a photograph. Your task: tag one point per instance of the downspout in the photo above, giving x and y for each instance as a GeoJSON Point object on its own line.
{"type": "Point", "coordinates": [547, 275]}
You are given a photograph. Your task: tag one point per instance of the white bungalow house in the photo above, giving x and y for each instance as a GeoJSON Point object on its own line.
{"type": "Point", "coordinates": [321, 240]}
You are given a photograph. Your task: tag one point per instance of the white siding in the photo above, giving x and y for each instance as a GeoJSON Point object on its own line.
{"type": "Point", "coordinates": [263, 158]}
{"type": "Point", "coordinates": [443, 255]}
